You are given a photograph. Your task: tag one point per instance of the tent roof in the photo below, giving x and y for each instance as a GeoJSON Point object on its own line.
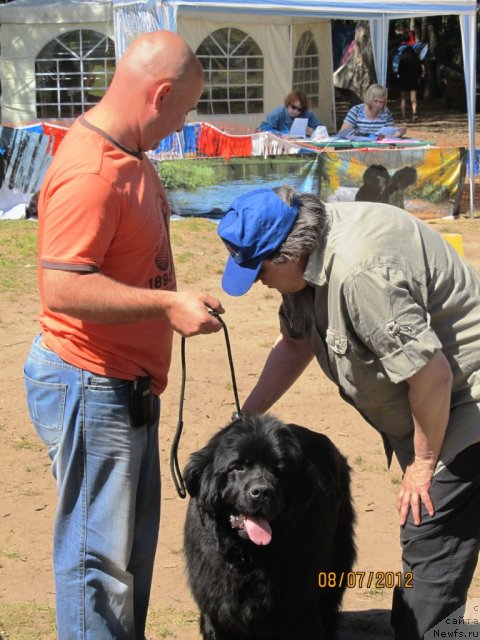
{"type": "Point", "coordinates": [27, 11]}
{"type": "Point", "coordinates": [345, 9]}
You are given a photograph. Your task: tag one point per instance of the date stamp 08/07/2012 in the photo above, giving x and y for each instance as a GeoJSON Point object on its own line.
{"type": "Point", "coordinates": [365, 579]}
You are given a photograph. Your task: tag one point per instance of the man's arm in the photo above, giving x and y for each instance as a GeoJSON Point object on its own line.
{"type": "Point", "coordinates": [287, 360]}
{"type": "Point", "coordinates": [94, 297]}
{"type": "Point", "coordinates": [429, 396]}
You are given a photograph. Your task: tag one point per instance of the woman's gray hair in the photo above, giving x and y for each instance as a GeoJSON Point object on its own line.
{"type": "Point", "coordinates": [375, 91]}
{"type": "Point", "coordinates": [306, 233]}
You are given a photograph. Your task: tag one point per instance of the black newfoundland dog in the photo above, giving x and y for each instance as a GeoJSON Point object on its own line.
{"type": "Point", "coordinates": [270, 518]}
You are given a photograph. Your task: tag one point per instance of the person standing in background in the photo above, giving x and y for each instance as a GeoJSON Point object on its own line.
{"type": "Point", "coordinates": [410, 71]}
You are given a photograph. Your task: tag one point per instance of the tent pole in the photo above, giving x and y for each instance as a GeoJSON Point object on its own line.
{"type": "Point", "coordinates": [468, 26]}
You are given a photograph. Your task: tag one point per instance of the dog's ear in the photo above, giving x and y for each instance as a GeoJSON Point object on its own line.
{"type": "Point", "coordinates": [200, 464]}
{"type": "Point", "coordinates": [404, 177]}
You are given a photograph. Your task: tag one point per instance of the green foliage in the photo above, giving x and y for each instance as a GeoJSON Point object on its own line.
{"type": "Point", "coordinates": [185, 174]}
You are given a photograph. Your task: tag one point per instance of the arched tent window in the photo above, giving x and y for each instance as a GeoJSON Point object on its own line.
{"type": "Point", "coordinates": [306, 68]}
{"type": "Point", "coordinates": [233, 66]}
{"type": "Point", "coordinates": [72, 73]}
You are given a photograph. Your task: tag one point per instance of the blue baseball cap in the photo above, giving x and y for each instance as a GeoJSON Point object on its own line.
{"type": "Point", "coordinates": [253, 228]}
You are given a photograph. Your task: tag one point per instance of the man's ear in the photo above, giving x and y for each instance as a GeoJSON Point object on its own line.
{"type": "Point", "coordinates": [160, 93]}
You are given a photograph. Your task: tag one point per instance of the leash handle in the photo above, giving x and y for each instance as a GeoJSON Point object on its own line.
{"type": "Point", "coordinates": [174, 465]}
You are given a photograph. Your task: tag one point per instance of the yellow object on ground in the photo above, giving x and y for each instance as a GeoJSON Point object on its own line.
{"type": "Point", "coordinates": [455, 239]}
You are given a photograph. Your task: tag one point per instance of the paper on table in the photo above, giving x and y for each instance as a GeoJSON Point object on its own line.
{"type": "Point", "coordinates": [388, 132]}
{"type": "Point", "coordinates": [299, 128]}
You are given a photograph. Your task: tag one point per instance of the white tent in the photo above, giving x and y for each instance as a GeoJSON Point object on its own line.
{"type": "Point", "coordinates": [378, 12]}
{"type": "Point", "coordinates": [27, 25]}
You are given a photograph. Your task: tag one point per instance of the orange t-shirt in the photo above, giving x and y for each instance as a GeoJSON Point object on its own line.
{"type": "Point", "coordinates": [103, 209]}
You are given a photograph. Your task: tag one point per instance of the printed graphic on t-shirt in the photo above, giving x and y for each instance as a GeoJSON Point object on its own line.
{"type": "Point", "coordinates": [163, 258]}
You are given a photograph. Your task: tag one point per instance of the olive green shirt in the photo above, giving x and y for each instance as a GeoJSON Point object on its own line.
{"type": "Point", "coordinates": [386, 292]}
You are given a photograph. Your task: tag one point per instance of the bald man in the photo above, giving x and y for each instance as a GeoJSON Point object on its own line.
{"type": "Point", "coordinates": [109, 309]}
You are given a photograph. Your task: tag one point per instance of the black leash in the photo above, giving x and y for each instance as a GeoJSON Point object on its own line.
{"type": "Point", "coordinates": [174, 466]}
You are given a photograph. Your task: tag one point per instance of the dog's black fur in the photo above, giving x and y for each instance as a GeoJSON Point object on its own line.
{"type": "Point", "coordinates": [379, 186]}
{"type": "Point", "coordinates": [300, 483]}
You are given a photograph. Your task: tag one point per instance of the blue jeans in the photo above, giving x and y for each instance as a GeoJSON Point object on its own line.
{"type": "Point", "coordinates": [108, 485]}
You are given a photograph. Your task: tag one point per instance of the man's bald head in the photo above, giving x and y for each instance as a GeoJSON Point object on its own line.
{"type": "Point", "coordinates": [156, 83]}
{"type": "Point", "coordinates": [158, 56]}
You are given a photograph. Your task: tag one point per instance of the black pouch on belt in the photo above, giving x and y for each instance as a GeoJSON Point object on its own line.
{"type": "Point", "coordinates": [140, 404]}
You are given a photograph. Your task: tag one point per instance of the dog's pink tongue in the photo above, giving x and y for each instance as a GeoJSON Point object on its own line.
{"type": "Point", "coordinates": [258, 530]}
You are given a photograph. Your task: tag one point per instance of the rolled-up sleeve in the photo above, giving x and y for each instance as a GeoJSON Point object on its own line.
{"type": "Point", "coordinates": [390, 318]}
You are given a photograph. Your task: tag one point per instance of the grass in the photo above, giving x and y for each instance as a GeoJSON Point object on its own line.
{"type": "Point", "coordinates": [11, 554]}
{"type": "Point", "coordinates": [26, 442]}
{"type": "Point", "coordinates": [464, 224]}
{"type": "Point", "coordinates": [198, 253]}
{"type": "Point", "coordinates": [374, 594]}
{"type": "Point", "coordinates": [27, 621]}
{"type": "Point", "coordinates": [168, 622]}
{"type": "Point", "coordinates": [18, 256]}
{"type": "Point", "coordinates": [33, 621]}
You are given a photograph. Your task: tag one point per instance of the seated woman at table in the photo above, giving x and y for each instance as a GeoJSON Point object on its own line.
{"type": "Point", "coordinates": [281, 119]}
{"type": "Point", "coordinates": [368, 118]}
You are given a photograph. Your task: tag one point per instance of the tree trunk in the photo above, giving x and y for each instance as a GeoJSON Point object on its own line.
{"type": "Point", "coordinates": [430, 30]}
{"type": "Point", "coordinates": [358, 73]}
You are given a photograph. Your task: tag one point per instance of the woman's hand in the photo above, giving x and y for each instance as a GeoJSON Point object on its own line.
{"type": "Point", "coordinates": [415, 490]}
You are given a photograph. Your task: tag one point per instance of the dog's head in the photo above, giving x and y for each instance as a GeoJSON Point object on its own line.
{"type": "Point", "coordinates": [376, 176]}
{"type": "Point", "coordinates": [248, 476]}
{"type": "Point", "coordinates": [403, 178]}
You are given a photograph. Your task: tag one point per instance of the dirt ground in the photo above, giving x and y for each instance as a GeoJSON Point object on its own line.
{"type": "Point", "coordinates": [27, 491]}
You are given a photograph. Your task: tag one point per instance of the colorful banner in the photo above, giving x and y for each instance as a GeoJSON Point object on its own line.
{"type": "Point", "coordinates": [25, 157]}
{"type": "Point", "coordinates": [425, 181]}
{"type": "Point", "coordinates": [206, 187]}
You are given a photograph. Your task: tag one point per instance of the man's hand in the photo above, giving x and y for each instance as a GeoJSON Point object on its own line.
{"type": "Point", "coordinates": [188, 313]}
{"type": "Point", "coordinates": [415, 490]}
